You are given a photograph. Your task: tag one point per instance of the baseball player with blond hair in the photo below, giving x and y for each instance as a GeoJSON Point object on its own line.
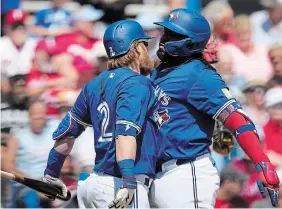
{"type": "Point", "coordinates": [119, 105]}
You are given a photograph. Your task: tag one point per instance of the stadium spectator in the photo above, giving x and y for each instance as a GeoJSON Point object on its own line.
{"type": "Point", "coordinates": [53, 21]}
{"type": "Point", "coordinates": [77, 50]}
{"type": "Point", "coordinates": [83, 153]}
{"type": "Point", "coordinates": [16, 48]}
{"type": "Point", "coordinates": [275, 55]}
{"type": "Point", "coordinates": [46, 78]}
{"type": "Point", "coordinates": [6, 6]}
{"type": "Point", "coordinates": [230, 186]}
{"type": "Point", "coordinates": [6, 189]}
{"type": "Point", "coordinates": [14, 112]}
{"type": "Point", "coordinates": [147, 22]}
{"type": "Point", "coordinates": [267, 24]}
{"type": "Point", "coordinates": [273, 129]}
{"type": "Point", "coordinates": [235, 82]}
{"type": "Point", "coordinates": [254, 105]}
{"type": "Point", "coordinates": [221, 18]}
{"type": "Point", "coordinates": [248, 58]}
{"type": "Point", "coordinates": [27, 153]}
{"type": "Point", "coordinates": [250, 191]}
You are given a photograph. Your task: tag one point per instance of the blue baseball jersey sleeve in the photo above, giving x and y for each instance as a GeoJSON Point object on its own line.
{"type": "Point", "coordinates": [209, 93]}
{"type": "Point", "coordinates": [132, 103]}
{"type": "Point", "coordinates": [80, 111]}
{"type": "Point", "coordinates": [194, 95]}
{"type": "Point", "coordinates": [120, 102]}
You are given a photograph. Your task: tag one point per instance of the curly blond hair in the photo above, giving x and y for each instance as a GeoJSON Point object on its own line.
{"type": "Point", "coordinates": [130, 57]}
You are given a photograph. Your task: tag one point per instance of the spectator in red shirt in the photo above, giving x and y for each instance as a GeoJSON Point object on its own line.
{"type": "Point", "coordinates": [273, 129]}
{"type": "Point", "coordinates": [245, 169]}
{"type": "Point", "coordinates": [77, 50]}
{"type": "Point", "coordinates": [231, 185]}
{"type": "Point", "coordinates": [46, 78]}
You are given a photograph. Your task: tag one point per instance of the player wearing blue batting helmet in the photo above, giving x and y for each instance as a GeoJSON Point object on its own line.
{"type": "Point", "coordinates": [119, 105]}
{"type": "Point", "coordinates": [186, 34]}
{"type": "Point", "coordinates": [192, 97]}
{"type": "Point", "coordinates": [120, 35]}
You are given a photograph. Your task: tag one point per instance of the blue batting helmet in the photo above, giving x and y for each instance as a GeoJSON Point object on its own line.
{"type": "Point", "coordinates": [190, 24]}
{"type": "Point", "coordinates": [120, 35]}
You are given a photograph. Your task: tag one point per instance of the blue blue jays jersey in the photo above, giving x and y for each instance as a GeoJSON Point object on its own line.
{"type": "Point", "coordinates": [119, 102]}
{"type": "Point", "coordinates": [194, 96]}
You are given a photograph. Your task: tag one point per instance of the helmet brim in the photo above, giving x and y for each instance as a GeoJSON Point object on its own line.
{"type": "Point", "coordinates": [171, 27]}
{"type": "Point", "coordinates": [145, 37]}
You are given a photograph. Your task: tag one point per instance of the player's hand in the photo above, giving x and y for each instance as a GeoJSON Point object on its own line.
{"type": "Point", "coordinates": [125, 194]}
{"type": "Point", "coordinates": [56, 182]}
{"type": "Point", "coordinates": [268, 179]}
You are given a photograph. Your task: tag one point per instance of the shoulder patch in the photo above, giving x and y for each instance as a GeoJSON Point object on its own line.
{"type": "Point", "coordinates": [227, 93]}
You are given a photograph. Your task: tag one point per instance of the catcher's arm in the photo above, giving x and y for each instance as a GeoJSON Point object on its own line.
{"type": "Point", "coordinates": [239, 124]}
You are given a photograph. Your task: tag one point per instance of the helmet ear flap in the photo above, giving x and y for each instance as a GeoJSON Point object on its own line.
{"type": "Point", "coordinates": [179, 48]}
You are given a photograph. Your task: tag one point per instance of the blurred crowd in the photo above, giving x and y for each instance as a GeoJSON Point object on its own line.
{"type": "Point", "coordinates": [47, 56]}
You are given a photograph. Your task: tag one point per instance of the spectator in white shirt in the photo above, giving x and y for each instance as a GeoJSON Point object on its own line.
{"type": "Point", "coordinates": [267, 24]}
{"type": "Point", "coordinates": [16, 48]}
{"type": "Point", "coordinates": [249, 59]}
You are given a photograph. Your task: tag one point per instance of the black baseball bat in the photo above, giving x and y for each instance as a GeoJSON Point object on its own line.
{"type": "Point", "coordinates": [37, 185]}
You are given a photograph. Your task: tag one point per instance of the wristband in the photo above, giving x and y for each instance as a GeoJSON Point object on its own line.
{"type": "Point", "coordinates": [55, 163]}
{"type": "Point", "coordinates": [126, 167]}
{"type": "Point", "coordinates": [129, 182]}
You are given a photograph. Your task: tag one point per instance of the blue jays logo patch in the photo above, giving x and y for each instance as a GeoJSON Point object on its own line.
{"type": "Point", "coordinates": [161, 117]}
{"type": "Point", "coordinates": [173, 16]}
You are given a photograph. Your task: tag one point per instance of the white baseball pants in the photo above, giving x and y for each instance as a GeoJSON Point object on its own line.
{"type": "Point", "coordinates": [189, 185]}
{"type": "Point", "coordinates": [99, 189]}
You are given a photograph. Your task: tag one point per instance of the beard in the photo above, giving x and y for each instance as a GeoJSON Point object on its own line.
{"type": "Point", "coordinates": [162, 55]}
{"type": "Point", "coordinates": [146, 64]}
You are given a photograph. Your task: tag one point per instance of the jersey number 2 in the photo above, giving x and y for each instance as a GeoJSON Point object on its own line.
{"type": "Point", "coordinates": [103, 108]}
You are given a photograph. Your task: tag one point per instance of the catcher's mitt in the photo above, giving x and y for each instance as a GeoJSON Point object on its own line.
{"type": "Point", "coordinates": [222, 139]}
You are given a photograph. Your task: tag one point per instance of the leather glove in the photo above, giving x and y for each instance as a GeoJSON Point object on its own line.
{"type": "Point", "coordinates": [56, 182]}
{"type": "Point", "coordinates": [268, 179]}
{"type": "Point", "coordinates": [125, 193]}
{"type": "Point", "coordinates": [222, 139]}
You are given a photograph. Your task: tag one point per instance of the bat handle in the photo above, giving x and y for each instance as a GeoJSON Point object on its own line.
{"type": "Point", "coordinates": [8, 175]}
